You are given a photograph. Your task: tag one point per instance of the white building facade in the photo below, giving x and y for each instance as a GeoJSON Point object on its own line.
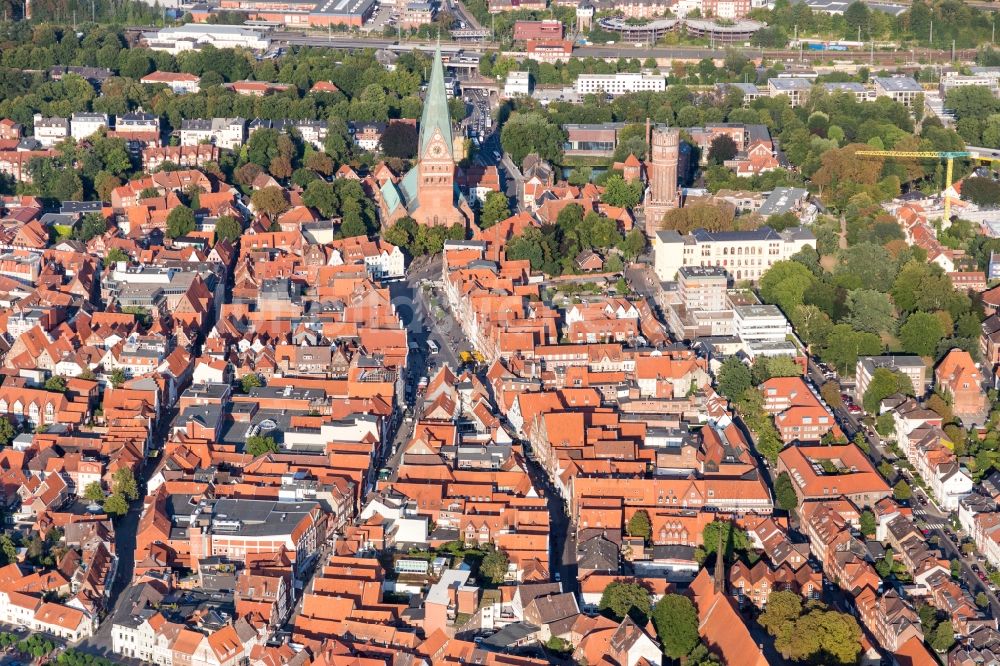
{"type": "Point", "coordinates": [85, 125]}
{"type": "Point", "coordinates": [745, 255]}
{"type": "Point", "coordinates": [619, 84]}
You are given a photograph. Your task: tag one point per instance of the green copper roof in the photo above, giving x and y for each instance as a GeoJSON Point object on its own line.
{"type": "Point", "coordinates": [390, 195]}
{"type": "Point", "coordinates": [436, 114]}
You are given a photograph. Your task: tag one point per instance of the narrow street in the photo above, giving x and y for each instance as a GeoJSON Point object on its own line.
{"type": "Point", "coordinates": [125, 533]}
{"type": "Point", "coordinates": [562, 533]}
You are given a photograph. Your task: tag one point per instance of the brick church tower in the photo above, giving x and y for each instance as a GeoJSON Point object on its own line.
{"type": "Point", "coordinates": [661, 175]}
{"type": "Point", "coordinates": [437, 201]}
{"type": "Point", "coordinates": [427, 192]}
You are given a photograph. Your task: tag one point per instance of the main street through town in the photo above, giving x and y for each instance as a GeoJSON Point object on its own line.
{"type": "Point", "coordinates": [420, 301]}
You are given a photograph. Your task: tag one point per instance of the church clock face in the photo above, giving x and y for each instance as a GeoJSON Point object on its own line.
{"type": "Point", "coordinates": [437, 150]}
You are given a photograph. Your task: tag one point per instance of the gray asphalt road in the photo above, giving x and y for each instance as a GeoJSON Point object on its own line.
{"type": "Point", "coordinates": [463, 14]}
{"type": "Point", "coordinates": [445, 332]}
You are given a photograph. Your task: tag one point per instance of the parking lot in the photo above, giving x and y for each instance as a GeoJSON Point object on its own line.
{"type": "Point", "coordinates": [382, 17]}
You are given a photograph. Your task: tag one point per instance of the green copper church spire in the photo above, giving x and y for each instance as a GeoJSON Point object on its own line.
{"type": "Point", "coordinates": [436, 114]}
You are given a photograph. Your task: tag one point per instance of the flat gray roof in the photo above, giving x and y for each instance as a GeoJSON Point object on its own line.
{"type": "Point", "coordinates": [898, 83]}
{"type": "Point", "coordinates": [790, 83]}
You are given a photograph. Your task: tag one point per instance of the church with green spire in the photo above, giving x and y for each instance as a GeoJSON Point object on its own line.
{"type": "Point", "coordinates": [428, 192]}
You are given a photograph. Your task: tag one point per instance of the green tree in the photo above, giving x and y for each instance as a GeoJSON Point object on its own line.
{"type": "Point", "coordinates": [867, 522]}
{"type": "Point", "coordinates": [115, 255]}
{"type": "Point", "coordinates": [7, 431]}
{"type": "Point", "coordinates": [785, 492]}
{"type": "Point", "coordinates": [928, 615]}
{"type": "Point", "coordinates": [621, 600]}
{"type": "Point", "coordinates": [936, 403]}
{"type": "Point", "coordinates": [766, 367]}
{"type": "Point", "coordinates": [885, 425]}
{"type": "Point", "coordinates": [982, 600]}
{"type": "Point", "coordinates": [857, 15]}
{"type": "Point", "coordinates": [619, 193]}
{"type": "Point", "coordinates": [8, 548]}
{"type": "Point", "coordinates": [180, 222]}
{"type": "Point", "coordinates": [699, 215]}
{"type": "Point", "coordinates": [943, 637]}
{"type": "Point", "coordinates": [532, 132]}
{"type": "Point", "coordinates": [271, 201]}
{"type": "Point", "coordinates": [817, 633]}
{"type": "Point", "coordinates": [830, 392]}
{"type": "Point", "coordinates": [884, 382]}
{"type": "Point", "coordinates": [94, 492]}
{"type": "Point", "coordinates": [258, 445]}
{"type": "Point", "coordinates": [495, 209]}
{"type": "Point", "coordinates": [902, 491]}
{"type": "Point", "coordinates": [700, 656]}
{"type": "Point", "coordinates": [494, 566]}
{"type": "Point", "coordinates": [884, 566]}
{"type": "Point", "coordinates": [117, 377]}
{"type": "Point", "coordinates": [783, 608]}
{"type": "Point", "coordinates": [92, 224]}
{"type": "Point", "coordinates": [812, 324]}
{"type": "Point", "coordinates": [734, 378]}
{"type": "Point", "coordinates": [723, 148]}
{"type": "Point", "coordinates": [633, 244]}
{"type": "Point", "coordinates": [115, 505]}
{"type": "Point", "coordinates": [319, 162]}
{"type": "Point", "coordinates": [249, 381]}
{"type": "Point", "coordinates": [870, 264]}
{"type": "Point", "coordinates": [838, 634]}
{"type": "Point", "coordinates": [639, 525]}
{"type": "Point", "coordinates": [400, 140]}
{"type": "Point", "coordinates": [352, 225]}
{"type": "Point", "coordinates": [972, 102]}
{"type": "Point", "coordinates": [402, 234]}
{"type": "Point", "coordinates": [56, 384]}
{"type": "Point", "coordinates": [785, 284]}
{"type": "Point", "coordinates": [123, 483]}
{"type": "Point", "coordinates": [228, 228]}
{"type": "Point", "coordinates": [338, 144]}
{"type": "Point", "coordinates": [921, 333]}
{"type": "Point", "coordinates": [981, 191]}
{"type": "Point", "coordinates": [135, 64]}
{"type": "Point", "coordinates": [322, 196]}
{"type": "Point", "coordinates": [262, 146]}
{"type": "Point", "coordinates": [870, 311]}
{"type": "Point", "coordinates": [734, 539]}
{"type": "Point", "coordinates": [676, 622]}
{"type": "Point", "coordinates": [844, 345]}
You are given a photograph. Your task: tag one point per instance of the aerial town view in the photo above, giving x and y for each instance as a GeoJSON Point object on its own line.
{"type": "Point", "coordinates": [499, 332]}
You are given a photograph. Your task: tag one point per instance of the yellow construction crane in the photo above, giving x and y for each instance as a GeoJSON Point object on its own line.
{"type": "Point", "coordinates": [970, 152]}
{"type": "Point", "coordinates": [948, 155]}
